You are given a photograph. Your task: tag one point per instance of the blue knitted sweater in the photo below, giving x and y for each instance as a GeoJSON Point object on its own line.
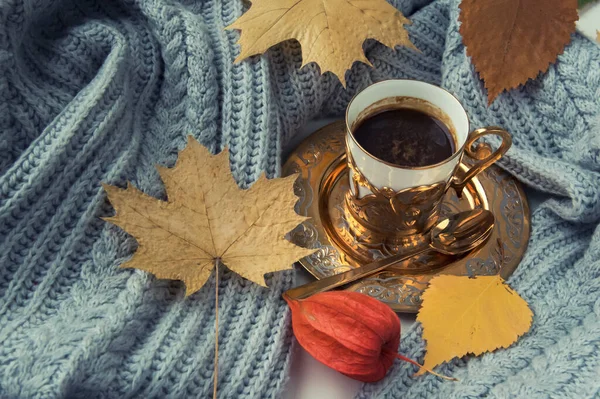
{"type": "Point", "coordinates": [102, 90]}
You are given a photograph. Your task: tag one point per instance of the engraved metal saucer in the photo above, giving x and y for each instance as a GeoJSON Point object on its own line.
{"type": "Point", "coordinates": [320, 162]}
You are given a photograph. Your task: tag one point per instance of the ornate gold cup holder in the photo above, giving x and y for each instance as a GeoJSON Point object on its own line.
{"type": "Point", "coordinates": [344, 242]}
{"type": "Point", "coordinates": [388, 216]}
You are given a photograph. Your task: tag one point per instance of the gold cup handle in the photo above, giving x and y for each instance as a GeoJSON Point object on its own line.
{"type": "Point", "coordinates": [459, 182]}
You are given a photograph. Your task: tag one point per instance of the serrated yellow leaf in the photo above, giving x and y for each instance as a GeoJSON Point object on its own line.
{"type": "Point", "coordinates": [331, 32]}
{"type": "Point", "coordinates": [463, 315]}
{"type": "Point", "coordinates": [208, 217]}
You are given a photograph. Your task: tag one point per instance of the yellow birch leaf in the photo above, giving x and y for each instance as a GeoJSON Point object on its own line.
{"type": "Point", "coordinates": [331, 32]}
{"type": "Point", "coordinates": [208, 217]}
{"type": "Point", "coordinates": [511, 41]}
{"type": "Point", "coordinates": [462, 315]}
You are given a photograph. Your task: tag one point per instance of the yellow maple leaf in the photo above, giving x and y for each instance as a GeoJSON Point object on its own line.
{"type": "Point", "coordinates": [463, 315]}
{"type": "Point", "coordinates": [331, 32]}
{"type": "Point", "coordinates": [511, 41]}
{"type": "Point", "coordinates": [209, 218]}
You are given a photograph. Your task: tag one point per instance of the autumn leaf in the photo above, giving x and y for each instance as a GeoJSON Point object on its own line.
{"type": "Point", "coordinates": [463, 315]}
{"type": "Point", "coordinates": [331, 32]}
{"type": "Point", "coordinates": [511, 41]}
{"type": "Point", "coordinates": [209, 218]}
{"type": "Point", "coordinates": [598, 36]}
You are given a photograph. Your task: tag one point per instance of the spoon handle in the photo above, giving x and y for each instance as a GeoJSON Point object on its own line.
{"type": "Point", "coordinates": [328, 283]}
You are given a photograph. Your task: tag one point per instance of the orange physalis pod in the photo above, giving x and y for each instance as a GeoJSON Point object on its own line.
{"type": "Point", "coordinates": [350, 332]}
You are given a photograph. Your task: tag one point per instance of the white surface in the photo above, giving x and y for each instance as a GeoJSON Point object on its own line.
{"type": "Point", "coordinates": [309, 378]}
{"type": "Point", "coordinates": [589, 20]}
{"type": "Point", "coordinates": [381, 174]}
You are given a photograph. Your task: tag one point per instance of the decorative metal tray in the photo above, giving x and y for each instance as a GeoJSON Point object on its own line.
{"type": "Point", "coordinates": [321, 163]}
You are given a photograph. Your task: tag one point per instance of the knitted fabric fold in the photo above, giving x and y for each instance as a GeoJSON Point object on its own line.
{"type": "Point", "coordinates": [98, 91]}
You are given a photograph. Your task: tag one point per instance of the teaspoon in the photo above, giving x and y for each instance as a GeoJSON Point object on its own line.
{"type": "Point", "coordinates": [455, 235]}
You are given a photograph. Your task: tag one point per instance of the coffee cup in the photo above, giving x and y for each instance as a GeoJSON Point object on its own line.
{"type": "Point", "coordinates": [397, 192]}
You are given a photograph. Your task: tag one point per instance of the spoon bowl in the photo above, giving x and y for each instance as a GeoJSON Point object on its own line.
{"type": "Point", "coordinates": [462, 232]}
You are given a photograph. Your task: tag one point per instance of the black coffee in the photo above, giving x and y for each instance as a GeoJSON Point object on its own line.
{"type": "Point", "coordinates": [405, 137]}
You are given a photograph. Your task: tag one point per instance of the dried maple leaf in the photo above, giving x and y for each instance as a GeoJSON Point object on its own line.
{"type": "Point", "coordinates": [331, 32]}
{"type": "Point", "coordinates": [209, 218]}
{"type": "Point", "coordinates": [511, 41]}
{"type": "Point", "coordinates": [463, 315]}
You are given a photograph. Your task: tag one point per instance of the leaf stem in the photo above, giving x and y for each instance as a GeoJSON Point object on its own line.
{"type": "Point", "coordinates": [409, 360]}
{"type": "Point", "coordinates": [216, 373]}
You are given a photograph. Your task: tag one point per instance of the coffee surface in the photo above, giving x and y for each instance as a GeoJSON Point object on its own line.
{"type": "Point", "coordinates": [405, 137]}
